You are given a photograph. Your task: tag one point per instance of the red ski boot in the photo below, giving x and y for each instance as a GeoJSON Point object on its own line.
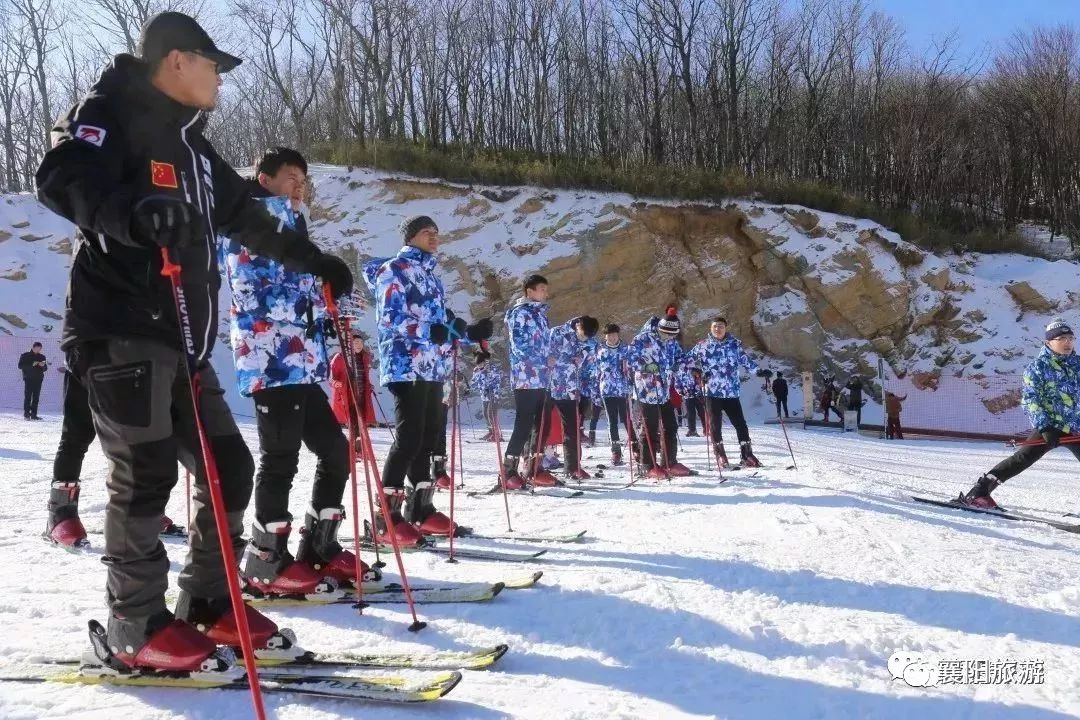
{"type": "Point", "coordinates": [616, 455]}
{"type": "Point", "coordinates": [422, 513]}
{"type": "Point", "coordinates": [678, 470]}
{"type": "Point", "coordinates": [407, 535]}
{"type": "Point", "coordinates": [269, 569]}
{"type": "Point", "coordinates": [438, 471]}
{"type": "Point", "coordinates": [656, 473]}
{"type": "Point", "coordinates": [320, 548]}
{"type": "Point", "coordinates": [580, 474]}
{"type": "Point", "coordinates": [64, 528]}
{"type": "Point", "coordinates": [718, 448]}
{"type": "Point", "coordinates": [979, 495]}
{"type": "Point", "coordinates": [214, 617]}
{"type": "Point", "coordinates": [171, 529]}
{"type": "Point", "coordinates": [748, 458]}
{"type": "Point", "coordinates": [161, 643]}
{"type": "Point", "coordinates": [544, 478]}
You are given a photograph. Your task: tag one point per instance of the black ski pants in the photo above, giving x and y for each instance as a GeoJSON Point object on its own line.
{"type": "Point", "coordinates": [31, 395]}
{"type": "Point", "coordinates": [569, 410]}
{"type": "Point", "coordinates": [617, 408]}
{"type": "Point", "coordinates": [529, 408]}
{"type": "Point", "coordinates": [287, 417]}
{"type": "Point", "coordinates": [76, 433]}
{"type": "Point", "coordinates": [695, 410]}
{"type": "Point", "coordinates": [781, 402]}
{"type": "Point", "coordinates": [733, 408]}
{"type": "Point", "coordinates": [656, 444]}
{"type": "Point", "coordinates": [416, 412]}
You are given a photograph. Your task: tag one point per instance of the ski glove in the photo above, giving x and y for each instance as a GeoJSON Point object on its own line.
{"type": "Point", "coordinates": [334, 272]}
{"type": "Point", "coordinates": [167, 222]}
{"type": "Point", "coordinates": [439, 334]}
{"type": "Point", "coordinates": [1052, 436]}
{"type": "Point", "coordinates": [480, 330]}
{"type": "Point", "coordinates": [458, 326]}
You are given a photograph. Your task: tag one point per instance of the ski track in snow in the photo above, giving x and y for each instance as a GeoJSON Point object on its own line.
{"type": "Point", "coordinates": [781, 595]}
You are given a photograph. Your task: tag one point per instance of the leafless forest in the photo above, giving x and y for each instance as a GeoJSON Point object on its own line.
{"type": "Point", "coordinates": [791, 91]}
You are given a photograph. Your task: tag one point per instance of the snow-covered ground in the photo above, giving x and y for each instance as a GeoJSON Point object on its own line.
{"type": "Point", "coordinates": [776, 596]}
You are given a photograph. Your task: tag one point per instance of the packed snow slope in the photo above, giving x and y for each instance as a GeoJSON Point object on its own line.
{"type": "Point", "coordinates": [776, 596]}
{"type": "Point", "coordinates": [804, 289]}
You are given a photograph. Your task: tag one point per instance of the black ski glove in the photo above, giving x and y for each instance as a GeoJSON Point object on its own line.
{"type": "Point", "coordinates": [167, 222]}
{"type": "Point", "coordinates": [439, 334]}
{"type": "Point", "coordinates": [458, 326]}
{"type": "Point", "coordinates": [1052, 436]}
{"type": "Point", "coordinates": [334, 272]}
{"type": "Point", "coordinates": [480, 330]}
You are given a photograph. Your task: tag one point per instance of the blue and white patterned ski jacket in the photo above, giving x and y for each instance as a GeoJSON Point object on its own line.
{"type": "Point", "coordinates": [590, 373]}
{"type": "Point", "coordinates": [409, 300]}
{"type": "Point", "coordinates": [487, 381]}
{"type": "Point", "coordinates": [720, 361]}
{"type": "Point", "coordinates": [609, 363]}
{"type": "Point", "coordinates": [685, 382]}
{"type": "Point", "coordinates": [567, 374]}
{"type": "Point", "coordinates": [653, 362]}
{"type": "Point", "coordinates": [1051, 391]}
{"type": "Point", "coordinates": [276, 318]}
{"type": "Point", "coordinates": [527, 324]}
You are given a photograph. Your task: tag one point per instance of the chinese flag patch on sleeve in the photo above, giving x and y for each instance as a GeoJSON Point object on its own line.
{"type": "Point", "coordinates": [163, 174]}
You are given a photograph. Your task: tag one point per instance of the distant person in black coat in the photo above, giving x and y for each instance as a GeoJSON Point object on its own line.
{"type": "Point", "coordinates": [33, 365]}
{"type": "Point", "coordinates": [855, 401]}
{"type": "Point", "coordinates": [780, 390]}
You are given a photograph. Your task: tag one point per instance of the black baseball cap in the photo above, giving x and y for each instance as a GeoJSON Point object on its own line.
{"type": "Point", "coordinates": [168, 31]}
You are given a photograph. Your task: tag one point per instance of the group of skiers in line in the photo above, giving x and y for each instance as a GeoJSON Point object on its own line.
{"type": "Point", "coordinates": [558, 373]}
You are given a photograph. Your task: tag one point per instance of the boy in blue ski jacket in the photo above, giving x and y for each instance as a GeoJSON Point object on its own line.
{"type": "Point", "coordinates": [654, 356]}
{"type": "Point", "coordinates": [591, 401]}
{"type": "Point", "coordinates": [721, 357]}
{"type": "Point", "coordinates": [530, 371]}
{"type": "Point", "coordinates": [415, 331]}
{"type": "Point", "coordinates": [1051, 399]}
{"type": "Point", "coordinates": [569, 349]}
{"type": "Point", "coordinates": [611, 371]}
{"type": "Point", "coordinates": [278, 329]}
{"type": "Point", "coordinates": [487, 380]}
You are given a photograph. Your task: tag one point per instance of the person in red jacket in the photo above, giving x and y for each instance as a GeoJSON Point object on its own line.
{"type": "Point", "coordinates": [365, 392]}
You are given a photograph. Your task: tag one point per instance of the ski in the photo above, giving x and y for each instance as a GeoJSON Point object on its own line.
{"type": "Point", "coordinates": [554, 492]}
{"type": "Point", "coordinates": [568, 538]}
{"type": "Point", "coordinates": [1007, 515]}
{"type": "Point", "coordinates": [347, 660]}
{"type": "Point", "coordinates": [391, 594]}
{"type": "Point", "coordinates": [392, 690]}
{"type": "Point", "coordinates": [484, 554]}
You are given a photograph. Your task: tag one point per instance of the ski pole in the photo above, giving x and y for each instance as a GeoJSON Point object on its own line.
{"type": "Point", "coordinates": [355, 418]}
{"type": "Point", "coordinates": [502, 468]}
{"type": "Point", "coordinates": [630, 441]}
{"type": "Point", "coordinates": [783, 426]}
{"type": "Point", "coordinates": [369, 453]}
{"type": "Point", "coordinates": [187, 484]}
{"type": "Point", "coordinates": [455, 429]}
{"type": "Point", "coordinates": [1065, 440]}
{"type": "Point", "coordinates": [386, 418]}
{"type": "Point", "coordinates": [461, 451]}
{"type": "Point", "coordinates": [213, 480]}
{"type": "Point", "coordinates": [540, 439]}
{"type": "Point", "coordinates": [577, 432]}
{"type": "Point", "coordinates": [709, 418]}
{"type": "Point", "coordinates": [663, 441]}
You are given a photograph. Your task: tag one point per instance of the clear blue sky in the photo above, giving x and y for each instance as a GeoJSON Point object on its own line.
{"type": "Point", "coordinates": [982, 24]}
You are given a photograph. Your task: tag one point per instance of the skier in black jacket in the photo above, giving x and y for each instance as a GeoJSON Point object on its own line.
{"type": "Point", "coordinates": [130, 167]}
{"type": "Point", "coordinates": [780, 393]}
{"type": "Point", "coordinates": [33, 365]}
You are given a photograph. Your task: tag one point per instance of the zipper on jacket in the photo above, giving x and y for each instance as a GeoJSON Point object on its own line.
{"type": "Point", "coordinates": [207, 236]}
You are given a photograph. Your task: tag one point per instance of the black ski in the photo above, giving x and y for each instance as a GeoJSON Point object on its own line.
{"type": "Point", "coordinates": [1005, 514]}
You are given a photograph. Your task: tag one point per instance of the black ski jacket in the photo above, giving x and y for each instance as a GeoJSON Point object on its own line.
{"type": "Point", "coordinates": [779, 387]}
{"type": "Point", "coordinates": [123, 142]}
{"type": "Point", "coordinates": [30, 371]}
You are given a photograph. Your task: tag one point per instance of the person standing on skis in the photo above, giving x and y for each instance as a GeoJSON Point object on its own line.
{"type": "Point", "coordinates": [611, 361]}
{"type": "Point", "coordinates": [654, 357]}
{"type": "Point", "coordinates": [278, 328]}
{"type": "Point", "coordinates": [568, 347]}
{"type": "Point", "coordinates": [688, 385]}
{"type": "Point", "coordinates": [1051, 399]}
{"type": "Point", "coordinates": [415, 331]}
{"type": "Point", "coordinates": [721, 357]}
{"type": "Point", "coordinates": [486, 381]}
{"type": "Point", "coordinates": [530, 370]}
{"type": "Point", "coordinates": [129, 166]}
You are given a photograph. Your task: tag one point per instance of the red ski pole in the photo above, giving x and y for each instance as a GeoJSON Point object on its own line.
{"type": "Point", "coordinates": [213, 480]}
{"type": "Point", "coordinates": [783, 426]}
{"type": "Point", "coordinates": [709, 432]}
{"type": "Point", "coordinates": [454, 430]}
{"type": "Point", "coordinates": [502, 468]}
{"type": "Point", "coordinates": [369, 458]}
{"type": "Point", "coordinates": [630, 442]}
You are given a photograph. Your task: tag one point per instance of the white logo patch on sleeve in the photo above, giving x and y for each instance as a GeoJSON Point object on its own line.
{"type": "Point", "coordinates": [91, 134]}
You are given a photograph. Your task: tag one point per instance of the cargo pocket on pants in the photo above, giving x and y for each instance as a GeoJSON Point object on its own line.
{"type": "Point", "coordinates": [122, 393]}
